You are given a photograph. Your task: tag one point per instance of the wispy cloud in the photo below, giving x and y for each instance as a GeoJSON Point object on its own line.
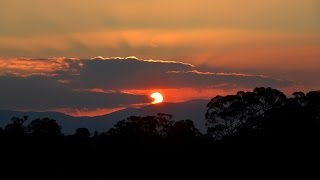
{"type": "Point", "coordinates": [31, 66]}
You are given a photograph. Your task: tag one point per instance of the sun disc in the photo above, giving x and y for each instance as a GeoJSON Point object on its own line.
{"type": "Point", "coordinates": [157, 98]}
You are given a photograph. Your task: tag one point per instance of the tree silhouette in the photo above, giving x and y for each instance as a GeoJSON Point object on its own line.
{"type": "Point", "coordinates": [142, 128]}
{"type": "Point", "coordinates": [1, 131]}
{"type": "Point", "coordinates": [225, 115]}
{"type": "Point", "coordinates": [257, 124]}
{"type": "Point", "coordinates": [44, 127]}
{"type": "Point", "coordinates": [82, 132]}
{"type": "Point", "coordinates": [16, 128]}
{"type": "Point", "coordinates": [155, 130]}
{"type": "Point", "coordinates": [183, 131]}
{"type": "Point", "coordinates": [313, 104]}
{"type": "Point", "coordinates": [96, 133]}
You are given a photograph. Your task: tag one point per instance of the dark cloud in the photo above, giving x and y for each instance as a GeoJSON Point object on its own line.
{"type": "Point", "coordinates": [43, 93]}
{"type": "Point", "coordinates": [132, 73]}
{"type": "Point", "coordinates": [98, 82]}
{"type": "Point", "coordinates": [128, 73]}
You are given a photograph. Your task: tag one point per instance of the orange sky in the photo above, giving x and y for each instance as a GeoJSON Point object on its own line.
{"type": "Point", "coordinates": [279, 39]}
{"type": "Point", "coordinates": [229, 34]}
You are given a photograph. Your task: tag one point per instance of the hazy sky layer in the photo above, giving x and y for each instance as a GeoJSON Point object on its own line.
{"type": "Point", "coordinates": [276, 38]}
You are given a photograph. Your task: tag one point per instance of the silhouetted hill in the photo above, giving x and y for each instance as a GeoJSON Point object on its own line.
{"type": "Point", "coordinates": [193, 110]}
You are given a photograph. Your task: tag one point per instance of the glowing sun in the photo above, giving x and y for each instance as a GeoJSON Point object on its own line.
{"type": "Point", "coordinates": [157, 98]}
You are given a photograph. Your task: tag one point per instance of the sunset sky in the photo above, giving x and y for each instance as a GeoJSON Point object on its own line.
{"type": "Point", "coordinates": [89, 57]}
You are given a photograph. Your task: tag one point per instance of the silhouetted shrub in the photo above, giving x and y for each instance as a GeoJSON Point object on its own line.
{"type": "Point", "coordinates": [82, 132]}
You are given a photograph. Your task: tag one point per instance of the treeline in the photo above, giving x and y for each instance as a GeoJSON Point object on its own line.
{"type": "Point", "coordinates": [259, 124]}
{"type": "Point", "coordinates": [142, 130]}
{"type": "Point", "coordinates": [248, 117]}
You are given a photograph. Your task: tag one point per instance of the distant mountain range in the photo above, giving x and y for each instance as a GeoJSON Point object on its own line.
{"type": "Point", "coordinates": [193, 110]}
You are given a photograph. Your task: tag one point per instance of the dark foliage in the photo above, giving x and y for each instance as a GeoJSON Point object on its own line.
{"type": "Point", "coordinates": [16, 128]}
{"type": "Point", "coordinates": [259, 126]}
{"type": "Point", "coordinates": [44, 127]}
{"type": "Point", "coordinates": [82, 132]}
{"type": "Point", "coordinates": [264, 116]}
